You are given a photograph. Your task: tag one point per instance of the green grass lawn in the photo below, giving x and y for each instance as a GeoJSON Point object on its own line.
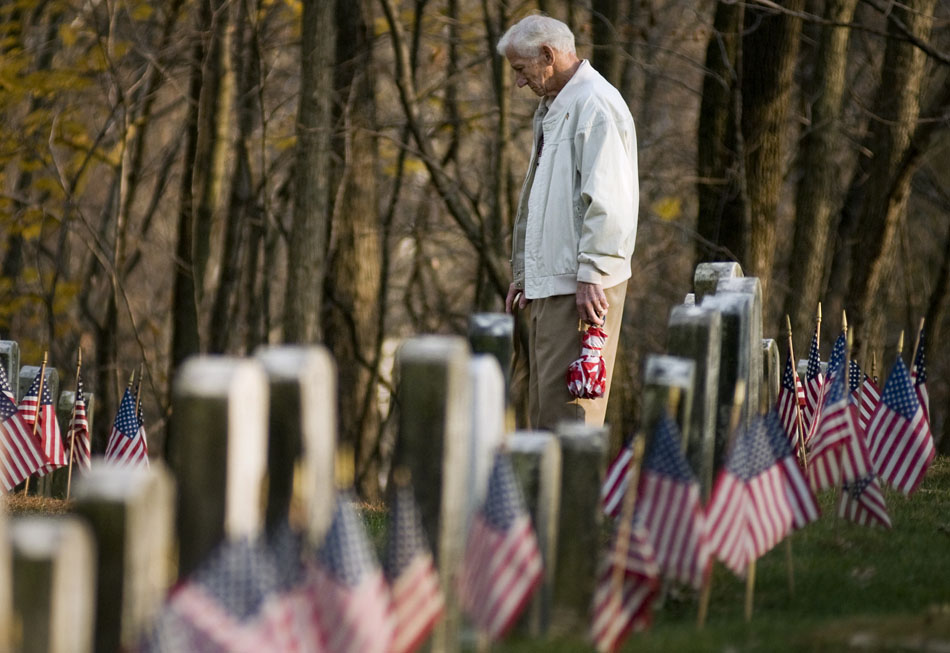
{"type": "Point", "coordinates": [855, 588]}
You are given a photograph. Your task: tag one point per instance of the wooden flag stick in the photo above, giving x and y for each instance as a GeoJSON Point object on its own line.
{"type": "Point", "coordinates": [138, 390]}
{"type": "Point", "coordinates": [844, 321]}
{"type": "Point", "coordinates": [72, 421]}
{"type": "Point", "coordinates": [920, 330]}
{"type": "Point", "coordinates": [874, 367]}
{"type": "Point", "coordinates": [900, 344]}
{"type": "Point", "coordinates": [738, 398]}
{"type": "Point", "coordinates": [818, 326]}
{"type": "Point", "coordinates": [625, 527]}
{"type": "Point", "coordinates": [36, 415]}
{"type": "Point", "coordinates": [749, 590]}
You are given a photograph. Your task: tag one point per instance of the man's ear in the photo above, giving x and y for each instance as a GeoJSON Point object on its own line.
{"type": "Point", "coordinates": [547, 54]}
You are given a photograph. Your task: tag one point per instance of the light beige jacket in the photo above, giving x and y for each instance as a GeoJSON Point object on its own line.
{"type": "Point", "coordinates": [581, 217]}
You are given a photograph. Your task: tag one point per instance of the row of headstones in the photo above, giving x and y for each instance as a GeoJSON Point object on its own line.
{"type": "Point", "coordinates": [97, 578]}
{"type": "Point", "coordinates": [53, 484]}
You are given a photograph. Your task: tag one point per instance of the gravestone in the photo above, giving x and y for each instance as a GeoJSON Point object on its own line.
{"type": "Point", "coordinates": [536, 458]}
{"type": "Point", "coordinates": [10, 360]}
{"type": "Point", "coordinates": [54, 583]}
{"type": "Point", "coordinates": [29, 372]}
{"type": "Point", "coordinates": [302, 435]}
{"type": "Point", "coordinates": [434, 440]}
{"type": "Point", "coordinates": [493, 333]}
{"type": "Point", "coordinates": [771, 375]}
{"type": "Point", "coordinates": [59, 479]}
{"type": "Point", "coordinates": [706, 277]}
{"type": "Point", "coordinates": [750, 286]}
{"type": "Point", "coordinates": [735, 362]}
{"type": "Point", "coordinates": [579, 531]}
{"type": "Point", "coordinates": [694, 332]}
{"type": "Point", "coordinates": [217, 452]}
{"type": "Point", "coordinates": [131, 513]}
{"type": "Point", "coordinates": [488, 429]}
{"type": "Point", "coordinates": [661, 374]}
{"type": "Point", "coordinates": [689, 299]}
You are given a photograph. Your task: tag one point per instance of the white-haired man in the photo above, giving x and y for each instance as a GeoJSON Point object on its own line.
{"type": "Point", "coordinates": [576, 224]}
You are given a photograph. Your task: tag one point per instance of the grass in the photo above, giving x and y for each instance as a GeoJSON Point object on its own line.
{"type": "Point", "coordinates": [855, 589]}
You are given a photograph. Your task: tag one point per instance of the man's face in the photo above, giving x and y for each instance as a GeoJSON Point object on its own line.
{"type": "Point", "coordinates": [533, 72]}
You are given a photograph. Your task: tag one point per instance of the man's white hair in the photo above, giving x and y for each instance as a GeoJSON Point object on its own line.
{"type": "Point", "coordinates": [527, 36]}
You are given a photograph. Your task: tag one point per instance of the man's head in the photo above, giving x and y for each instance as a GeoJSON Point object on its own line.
{"type": "Point", "coordinates": [541, 51]}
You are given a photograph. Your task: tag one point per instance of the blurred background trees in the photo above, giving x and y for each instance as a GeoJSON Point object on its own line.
{"type": "Point", "coordinates": [213, 175]}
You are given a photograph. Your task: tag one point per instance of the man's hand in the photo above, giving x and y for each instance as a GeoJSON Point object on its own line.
{"type": "Point", "coordinates": [591, 302]}
{"type": "Point", "coordinates": [515, 295]}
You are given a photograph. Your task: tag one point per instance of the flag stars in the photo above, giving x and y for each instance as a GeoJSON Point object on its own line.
{"type": "Point", "coordinates": [899, 392]}
{"type": "Point", "coordinates": [346, 553]}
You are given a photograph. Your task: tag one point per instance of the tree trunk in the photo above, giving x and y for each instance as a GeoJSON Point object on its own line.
{"type": "Point", "coordinates": [885, 178]}
{"type": "Point", "coordinates": [723, 210]}
{"type": "Point", "coordinates": [769, 54]}
{"type": "Point", "coordinates": [819, 187]}
{"type": "Point", "coordinates": [309, 230]}
{"type": "Point", "coordinates": [353, 279]}
{"type": "Point", "coordinates": [243, 209]}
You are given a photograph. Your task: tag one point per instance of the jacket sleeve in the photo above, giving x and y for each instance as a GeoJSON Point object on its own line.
{"type": "Point", "coordinates": [609, 196]}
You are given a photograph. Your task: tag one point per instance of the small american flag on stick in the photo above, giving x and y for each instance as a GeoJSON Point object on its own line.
{"type": "Point", "coordinates": [899, 436]}
{"type": "Point", "coordinates": [502, 563]}
{"type": "Point", "coordinates": [417, 601]}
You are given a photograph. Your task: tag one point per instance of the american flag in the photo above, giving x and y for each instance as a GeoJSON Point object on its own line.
{"type": "Point", "coordinates": [626, 588]}
{"type": "Point", "coordinates": [668, 501]}
{"type": "Point", "coordinates": [899, 435]}
{"type": "Point", "coordinates": [416, 598]}
{"type": "Point", "coordinates": [221, 607]}
{"type": "Point", "coordinates": [502, 563]}
{"type": "Point", "coordinates": [20, 453]}
{"type": "Point", "coordinates": [835, 434]}
{"type": "Point", "coordinates": [863, 502]}
{"type": "Point", "coordinates": [127, 446]}
{"type": "Point", "coordinates": [77, 435]}
{"type": "Point", "coordinates": [351, 599]}
{"type": "Point", "coordinates": [918, 374]}
{"type": "Point", "coordinates": [51, 441]}
{"type": "Point", "coordinates": [787, 405]}
{"type": "Point", "coordinates": [865, 394]}
{"type": "Point", "coordinates": [814, 380]}
{"type": "Point", "coordinates": [836, 361]}
{"type": "Point", "coordinates": [757, 499]}
{"type": "Point", "coordinates": [615, 485]}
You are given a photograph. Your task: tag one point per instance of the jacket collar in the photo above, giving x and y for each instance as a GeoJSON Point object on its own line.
{"type": "Point", "coordinates": [564, 99]}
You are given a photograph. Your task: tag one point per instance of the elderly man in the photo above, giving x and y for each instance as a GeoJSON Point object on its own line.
{"type": "Point", "coordinates": [576, 225]}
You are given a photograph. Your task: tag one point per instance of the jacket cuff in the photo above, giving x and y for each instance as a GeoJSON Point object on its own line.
{"type": "Point", "coordinates": [587, 273]}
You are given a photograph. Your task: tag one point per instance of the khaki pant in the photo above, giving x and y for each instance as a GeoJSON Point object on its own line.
{"type": "Point", "coordinates": [539, 366]}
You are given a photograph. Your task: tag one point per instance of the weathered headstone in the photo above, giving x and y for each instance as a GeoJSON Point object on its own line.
{"type": "Point", "coordinates": [435, 411]}
{"type": "Point", "coordinates": [131, 513]}
{"type": "Point", "coordinates": [753, 287]}
{"type": "Point", "coordinates": [302, 435]}
{"type": "Point", "coordinates": [54, 584]}
{"type": "Point", "coordinates": [734, 362]}
{"type": "Point", "coordinates": [694, 332]}
{"type": "Point", "coordinates": [579, 537]}
{"type": "Point", "coordinates": [29, 372]}
{"type": "Point", "coordinates": [661, 374]}
{"type": "Point", "coordinates": [218, 452]}
{"type": "Point", "coordinates": [493, 333]}
{"type": "Point", "coordinates": [536, 457]}
{"type": "Point", "coordinates": [706, 277]}
{"type": "Point", "coordinates": [488, 428]}
{"type": "Point", "coordinates": [10, 360]}
{"type": "Point", "coordinates": [771, 375]}
{"type": "Point", "coordinates": [689, 299]}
